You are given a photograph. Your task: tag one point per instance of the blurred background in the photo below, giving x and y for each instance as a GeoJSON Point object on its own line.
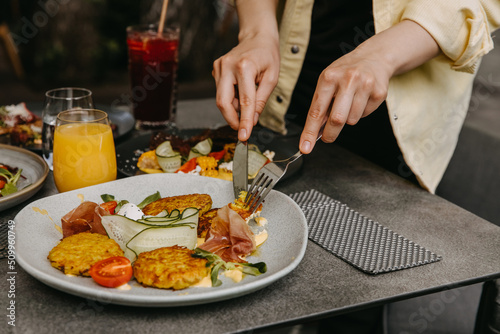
{"type": "Point", "coordinates": [83, 43]}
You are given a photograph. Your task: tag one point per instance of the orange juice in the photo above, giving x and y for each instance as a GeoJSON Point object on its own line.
{"type": "Point", "coordinates": [84, 155]}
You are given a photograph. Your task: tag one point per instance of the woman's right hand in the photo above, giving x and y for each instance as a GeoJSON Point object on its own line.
{"type": "Point", "coordinates": [246, 76]}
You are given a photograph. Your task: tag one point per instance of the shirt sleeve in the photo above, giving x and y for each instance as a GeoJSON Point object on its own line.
{"type": "Point", "coordinates": [462, 28]}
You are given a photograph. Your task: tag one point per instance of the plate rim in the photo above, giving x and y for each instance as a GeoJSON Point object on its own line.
{"type": "Point", "coordinates": [32, 187]}
{"type": "Point", "coordinates": [114, 297]}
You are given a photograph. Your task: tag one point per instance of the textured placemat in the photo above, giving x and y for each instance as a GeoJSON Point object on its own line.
{"type": "Point", "coordinates": [3, 240]}
{"type": "Point", "coordinates": [358, 240]}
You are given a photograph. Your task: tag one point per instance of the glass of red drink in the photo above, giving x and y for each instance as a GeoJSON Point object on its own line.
{"type": "Point", "coordinates": [153, 60]}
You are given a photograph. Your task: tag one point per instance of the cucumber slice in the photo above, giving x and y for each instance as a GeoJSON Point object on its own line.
{"type": "Point", "coordinates": [137, 236]}
{"type": "Point", "coordinates": [256, 161]}
{"type": "Point", "coordinates": [170, 161]}
{"type": "Point", "coordinates": [202, 148]}
{"type": "Point", "coordinates": [156, 237]}
{"type": "Point", "coordinates": [253, 147]}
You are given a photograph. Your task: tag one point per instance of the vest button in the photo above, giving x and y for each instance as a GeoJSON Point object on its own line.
{"type": "Point", "coordinates": [295, 49]}
{"type": "Point", "coordinates": [279, 99]}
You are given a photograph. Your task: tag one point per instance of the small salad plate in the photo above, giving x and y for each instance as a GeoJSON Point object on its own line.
{"type": "Point", "coordinates": [34, 172]}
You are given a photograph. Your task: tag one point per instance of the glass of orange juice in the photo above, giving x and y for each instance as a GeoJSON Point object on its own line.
{"type": "Point", "coordinates": [84, 150]}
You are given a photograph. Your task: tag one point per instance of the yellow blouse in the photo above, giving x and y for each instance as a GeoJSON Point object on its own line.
{"type": "Point", "coordinates": [427, 106]}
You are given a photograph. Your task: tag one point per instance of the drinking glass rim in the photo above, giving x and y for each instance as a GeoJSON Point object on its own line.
{"type": "Point", "coordinates": [152, 27]}
{"type": "Point", "coordinates": [49, 93]}
{"type": "Point", "coordinates": [61, 115]}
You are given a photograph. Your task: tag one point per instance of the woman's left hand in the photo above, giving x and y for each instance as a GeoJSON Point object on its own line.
{"type": "Point", "coordinates": [356, 84]}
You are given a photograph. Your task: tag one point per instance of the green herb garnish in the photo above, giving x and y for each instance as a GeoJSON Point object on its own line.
{"type": "Point", "coordinates": [214, 260]}
{"type": "Point", "coordinates": [150, 199]}
{"type": "Point", "coordinates": [11, 186]}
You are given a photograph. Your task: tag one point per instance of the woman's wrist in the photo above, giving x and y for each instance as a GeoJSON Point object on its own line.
{"type": "Point", "coordinates": [401, 48]}
{"type": "Point", "coordinates": [257, 19]}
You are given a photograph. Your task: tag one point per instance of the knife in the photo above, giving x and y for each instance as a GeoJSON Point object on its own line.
{"type": "Point", "coordinates": [240, 168]}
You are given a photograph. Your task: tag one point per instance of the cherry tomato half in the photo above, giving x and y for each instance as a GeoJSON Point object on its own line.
{"type": "Point", "coordinates": [109, 206]}
{"type": "Point", "coordinates": [112, 272]}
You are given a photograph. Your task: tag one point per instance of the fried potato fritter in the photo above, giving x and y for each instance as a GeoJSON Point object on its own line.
{"type": "Point", "coordinates": [202, 202]}
{"type": "Point", "coordinates": [75, 254]}
{"type": "Point", "coordinates": [170, 268]}
{"type": "Point", "coordinates": [205, 222]}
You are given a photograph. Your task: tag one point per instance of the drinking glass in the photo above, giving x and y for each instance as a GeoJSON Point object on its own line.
{"type": "Point", "coordinates": [153, 61]}
{"type": "Point", "coordinates": [57, 100]}
{"type": "Point", "coordinates": [84, 150]}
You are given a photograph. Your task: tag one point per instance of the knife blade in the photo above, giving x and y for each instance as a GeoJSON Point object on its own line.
{"type": "Point", "coordinates": [240, 168]}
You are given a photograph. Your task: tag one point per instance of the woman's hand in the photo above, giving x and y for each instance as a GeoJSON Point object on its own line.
{"type": "Point", "coordinates": [350, 88]}
{"type": "Point", "coordinates": [246, 76]}
{"type": "Point", "coordinates": [355, 85]}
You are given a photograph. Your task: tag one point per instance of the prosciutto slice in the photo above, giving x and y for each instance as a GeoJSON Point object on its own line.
{"type": "Point", "coordinates": [83, 218]}
{"type": "Point", "coordinates": [229, 236]}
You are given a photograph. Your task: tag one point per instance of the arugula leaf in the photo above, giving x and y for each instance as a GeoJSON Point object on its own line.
{"type": "Point", "coordinates": [214, 275]}
{"type": "Point", "coordinates": [11, 186]}
{"type": "Point", "coordinates": [254, 269]}
{"type": "Point", "coordinates": [150, 199]}
{"type": "Point", "coordinates": [120, 204]}
{"type": "Point", "coordinates": [146, 201]}
{"type": "Point", "coordinates": [8, 189]}
{"type": "Point", "coordinates": [16, 177]}
{"type": "Point", "coordinates": [5, 173]}
{"type": "Point", "coordinates": [214, 260]}
{"type": "Point", "coordinates": [107, 198]}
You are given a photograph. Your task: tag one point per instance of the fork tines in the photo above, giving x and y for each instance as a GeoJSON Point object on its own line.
{"type": "Point", "coordinates": [259, 189]}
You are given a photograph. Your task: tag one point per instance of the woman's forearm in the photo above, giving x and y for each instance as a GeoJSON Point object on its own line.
{"type": "Point", "coordinates": [402, 47]}
{"type": "Point", "coordinates": [257, 17]}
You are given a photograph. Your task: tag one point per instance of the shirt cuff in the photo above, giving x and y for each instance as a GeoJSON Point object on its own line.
{"type": "Point", "coordinates": [460, 27]}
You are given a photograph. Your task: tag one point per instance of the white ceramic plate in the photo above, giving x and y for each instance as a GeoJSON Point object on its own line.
{"type": "Point", "coordinates": [35, 171]}
{"type": "Point", "coordinates": [36, 236]}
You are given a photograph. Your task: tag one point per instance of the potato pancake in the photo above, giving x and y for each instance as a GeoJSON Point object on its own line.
{"type": "Point", "coordinates": [75, 254]}
{"type": "Point", "coordinates": [205, 222]}
{"type": "Point", "coordinates": [202, 202]}
{"type": "Point", "coordinates": [170, 268]}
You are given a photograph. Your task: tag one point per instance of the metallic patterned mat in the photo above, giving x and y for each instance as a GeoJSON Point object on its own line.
{"type": "Point", "coordinates": [358, 240]}
{"type": "Point", "coordinates": [4, 245]}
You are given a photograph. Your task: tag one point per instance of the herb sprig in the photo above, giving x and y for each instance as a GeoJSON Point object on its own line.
{"type": "Point", "coordinates": [214, 260]}
{"type": "Point", "coordinates": [10, 186]}
{"type": "Point", "coordinates": [146, 201]}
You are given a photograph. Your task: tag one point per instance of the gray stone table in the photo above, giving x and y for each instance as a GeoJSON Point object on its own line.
{"type": "Point", "coordinates": [320, 286]}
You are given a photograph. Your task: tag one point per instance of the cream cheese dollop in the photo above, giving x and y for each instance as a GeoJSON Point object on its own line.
{"type": "Point", "coordinates": [130, 210]}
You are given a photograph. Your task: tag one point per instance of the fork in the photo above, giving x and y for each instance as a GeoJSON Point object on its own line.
{"type": "Point", "coordinates": [267, 178]}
